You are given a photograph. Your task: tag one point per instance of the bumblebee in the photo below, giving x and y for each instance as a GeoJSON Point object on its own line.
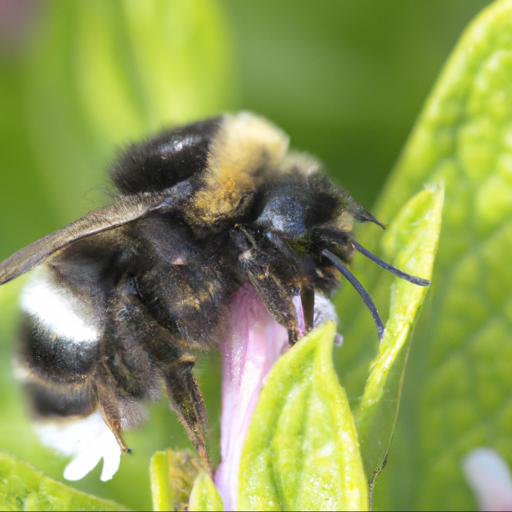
{"type": "Point", "coordinates": [123, 296]}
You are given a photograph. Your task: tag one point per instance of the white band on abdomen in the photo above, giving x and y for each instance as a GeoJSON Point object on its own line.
{"type": "Point", "coordinates": [56, 309]}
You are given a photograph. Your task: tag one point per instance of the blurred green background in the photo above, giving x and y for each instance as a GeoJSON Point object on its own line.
{"type": "Point", "coordinates": [345, 78]}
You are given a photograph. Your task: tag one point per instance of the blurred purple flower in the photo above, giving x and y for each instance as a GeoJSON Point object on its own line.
{"type": "Point", "coordinates": [16, 23]}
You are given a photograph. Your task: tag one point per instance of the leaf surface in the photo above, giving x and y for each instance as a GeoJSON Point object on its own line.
{"type": "Point", "coordinates": [457, 390]}
{"type": "Point", "coordinates": [412, 243]}
{"type": "Point", "coordinates": [172, 476]}
{"type": "Point", "coordinates": [204, 496]}
{"type": "Point", "coordinates": [24, 488]}
{"type": "Point", "coordinates": [302, 452]}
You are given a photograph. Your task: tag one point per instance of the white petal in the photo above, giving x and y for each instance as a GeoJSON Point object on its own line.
{"type": "Point", "coordinates": [111, 456]}
{"type": "Point", "coordinates": [324, 310]}
{"type": "Point", "coordinates": [88, 440]}
{"type": "Point", "coordinates": [489, 477]}
{"type": "Point", "coordinates": [82, 465]}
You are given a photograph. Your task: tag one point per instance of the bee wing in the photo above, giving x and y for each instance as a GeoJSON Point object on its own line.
{"type": "Point", "coordinates": [125, 210]}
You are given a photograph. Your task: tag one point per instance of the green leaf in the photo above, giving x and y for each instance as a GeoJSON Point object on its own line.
{"type": "Point", "coordinates": [301, 451]}
{"type": "Point", "coordinates": [457, 393]}
{"type": "Point", "coordinates": [204, 496]}
{"type": "Point", "coordinates": [161, 492]}
{"type": "Point", "coordinates": [106, 73]}
{"type": "Point", "coordinates": [411, 243]}
{"type": "Point", "coordinates": [172, 476]}
{"type": "Point", "coordinates": [24, 488]}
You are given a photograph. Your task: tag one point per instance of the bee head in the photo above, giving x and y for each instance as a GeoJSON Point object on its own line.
{"type": "Point", "coordinates": [297, 203]}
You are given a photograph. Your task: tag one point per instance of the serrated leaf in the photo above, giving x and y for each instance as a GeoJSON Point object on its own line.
{"type": "Point", "coordinates": [172, 476]}
{"type": "Point", "coordinates": [411, 243]}
{"type": "Point", "coordinates": [457, 393]}
{"type": "Point", "coordinates": [301, 451]}
{"type": "Point", "coordinates": [24, 488]}
{"type": "Point", "coordinates": [204, 496]}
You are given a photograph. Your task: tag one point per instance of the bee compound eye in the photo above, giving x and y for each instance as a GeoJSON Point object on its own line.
{"type": "Point", "coordinates": [285, 216]}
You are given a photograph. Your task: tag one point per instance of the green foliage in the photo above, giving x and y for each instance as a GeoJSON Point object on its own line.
{"type": "Point", "coordinates": [172, 476]}
{"type": "Point", "coordinates": [412, 243]}
{"type": "Point", "coordinates": [456, 396]}
{"type": "Point", "coordinates": [345, 78]}
{"type": "Point", "coordinates": [118, 71]}
{"type": "Point", "coordinates": [24, 488]}
{"type": "Point", "coordinates": [302, 452]}
{"type": "Point", "coordinates": [204, 496]}
{"type": "Point", "coordinates": [161, 492]}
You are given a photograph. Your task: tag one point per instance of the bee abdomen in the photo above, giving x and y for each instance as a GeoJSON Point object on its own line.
{"type": "Point", "coordinates": [54, 359]}
{"type": "Point", "coordinates": [54, 401]}
{"type": "Point", "coordinates": [60, 331]}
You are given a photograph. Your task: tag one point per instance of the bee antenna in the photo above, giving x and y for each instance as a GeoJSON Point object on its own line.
{"type": "Point", "coordinates": [368, 217]}
{"type": "Point", "coordinates": [351, 278]}
{"type": "Point", "coordinates": [358, 211]}
{"type": "Point", "coordinates": [412, 279]}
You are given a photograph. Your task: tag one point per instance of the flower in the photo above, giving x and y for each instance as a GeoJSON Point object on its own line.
{"type": "Point", "coordinates": [88, 440]}
{"type": "Point", "coordinates": [488, 475]}
{"type": "Point", "coordinates": [254, 343]}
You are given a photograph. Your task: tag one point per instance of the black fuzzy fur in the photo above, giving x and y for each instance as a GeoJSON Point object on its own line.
{"type": "Point", "coordinates": [162, 161]}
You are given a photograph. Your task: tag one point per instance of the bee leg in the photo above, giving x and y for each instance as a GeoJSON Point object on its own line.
{"type": "Point", "coordinates": [170, 361]}
{"type": "Point", "coordinates": [187, 401]}
{"type": "Point", "coordinates": [109, 409]}
{"type": "Point", "coordinates": [304, 267]}
{"type": "Point", "coordinates": [307, 297]}
{"type": "Point", "coordinates": [125, 363]}
{"type": "Point", "coordinates": [276, 297]}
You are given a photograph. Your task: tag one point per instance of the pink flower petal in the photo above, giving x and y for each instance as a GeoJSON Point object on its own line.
{"type": "Point", "coordinates": [255, 342]}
